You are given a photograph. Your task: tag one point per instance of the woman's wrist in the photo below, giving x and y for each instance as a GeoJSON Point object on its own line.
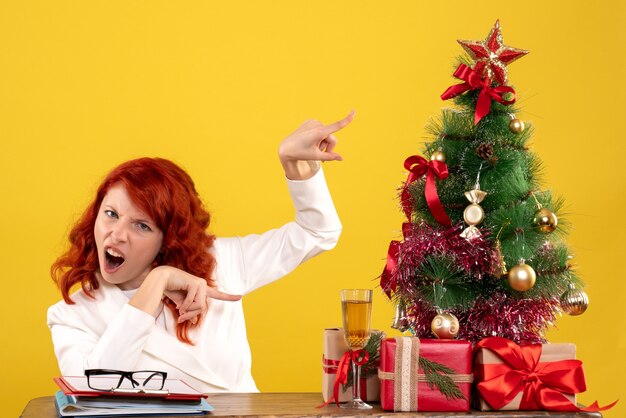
{"type": "Point", "coordinates": [149, 296]}
{"type": "Point", "coordinates": [300, 170]}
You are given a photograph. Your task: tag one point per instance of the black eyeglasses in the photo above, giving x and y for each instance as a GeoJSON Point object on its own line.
{"type": "Point", "coordinates": [141, 381]}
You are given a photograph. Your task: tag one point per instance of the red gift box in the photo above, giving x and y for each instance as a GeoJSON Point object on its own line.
{"type": "Point", "coordinates": [403, 383]}
{"type": "Point", "coordinates": [490, 365]}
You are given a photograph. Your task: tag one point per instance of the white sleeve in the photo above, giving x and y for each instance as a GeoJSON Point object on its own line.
{"type": "Point", "coordinates": [261, 259]}
{"type": "Point", "coordinates": [79, 345]}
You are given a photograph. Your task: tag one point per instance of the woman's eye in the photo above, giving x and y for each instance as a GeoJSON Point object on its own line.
{"type": "Point", "coordinates": [143, 226]}
{"type": "Point", "coordinates": [110, 213]}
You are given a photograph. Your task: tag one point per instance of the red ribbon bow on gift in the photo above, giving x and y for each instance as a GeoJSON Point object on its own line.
{"type": "Point", "coordinates": [359, 357]}
{"type": "Point", "coordinates": [473, 81]}
{"type": "Point", "coordinates": [417, 167]}
{"type": "Point", "coordinates": [543, 384]}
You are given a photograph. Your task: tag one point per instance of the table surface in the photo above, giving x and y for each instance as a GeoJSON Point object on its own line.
{"type": "Point", "coordinates": [304, 405]}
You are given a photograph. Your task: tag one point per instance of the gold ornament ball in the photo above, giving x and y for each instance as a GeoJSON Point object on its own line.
{"type": "Point", "coordinates": [516, 126]}
{"type": "Point", "coordinates": [445, 326]}
{"type": "Point", "coordinates": [545, 220]}
{"type": "Point", "coordinates": [522, 277]}
{"type": "Point", "coordinates": [574, 302]}
{"type": "Point", "coordinates": [438, 156]}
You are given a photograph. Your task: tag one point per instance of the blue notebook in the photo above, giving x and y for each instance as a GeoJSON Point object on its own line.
{"type": "Point", "coordinates": [79, 406]}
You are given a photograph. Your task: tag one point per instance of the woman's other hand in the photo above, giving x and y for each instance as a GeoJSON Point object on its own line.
{"type": "Point", "coordinates": [190, 293]}
{"type": "Point", "coordinates": [312, 142]}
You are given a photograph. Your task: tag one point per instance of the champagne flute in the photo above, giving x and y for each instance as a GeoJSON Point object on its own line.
{"type": "Point", "coordinates": [356, 305]}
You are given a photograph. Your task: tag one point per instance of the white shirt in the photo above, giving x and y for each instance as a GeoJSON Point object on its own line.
{"type": "Point", "coordinates": [108, 333]}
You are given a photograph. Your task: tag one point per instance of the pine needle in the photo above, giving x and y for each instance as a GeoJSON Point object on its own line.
{"type": "Point", "coordinates": [438, 375]}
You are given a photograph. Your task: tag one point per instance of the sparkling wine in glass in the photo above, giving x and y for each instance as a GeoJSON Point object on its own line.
{"type": "Point", "coordinates": [356, 305]}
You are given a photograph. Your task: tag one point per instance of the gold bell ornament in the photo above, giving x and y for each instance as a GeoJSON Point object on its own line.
{"type": "Point", "coordinates": [499, 269]}
{"type": "Point", "coordinates": [574, 301]}
{"type": "Point", "coordinates": [522, 277]}
{"type": "Point", "coordinates": [400, 321]}
{"type": "Point", "coordinates": [445, 325]}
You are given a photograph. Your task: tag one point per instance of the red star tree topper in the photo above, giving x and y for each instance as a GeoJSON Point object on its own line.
{"type": "Point", "coordinates": [492, 56]}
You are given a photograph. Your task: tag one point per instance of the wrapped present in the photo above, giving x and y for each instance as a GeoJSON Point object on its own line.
{"type": "Point", "coordinates": [425, 374]}
{"type": "Point", "coordinates": [333, 368]}
{"type": "Point", "coordinates": [530, 377]}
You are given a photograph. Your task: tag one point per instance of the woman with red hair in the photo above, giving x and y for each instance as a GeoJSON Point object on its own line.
{"type": "Point", "coordinates": [158, 292]}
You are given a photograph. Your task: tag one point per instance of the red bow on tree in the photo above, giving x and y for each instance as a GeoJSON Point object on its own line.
{"type": "Point", "coordinates": [474, 81]}
{"type": "Point", "coordinates": [417, 167]}
{"type": "Point", "coordinates": [543, 384]}
{"type": "Point", "coordinates": [387, 279]}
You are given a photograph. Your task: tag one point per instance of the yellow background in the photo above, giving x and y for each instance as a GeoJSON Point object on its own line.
{"type": "Point", "coordinates": [215, 86]}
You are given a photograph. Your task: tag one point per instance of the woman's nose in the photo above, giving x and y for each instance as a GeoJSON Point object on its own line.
{"type": "Point", "coordinates": [119, 232]}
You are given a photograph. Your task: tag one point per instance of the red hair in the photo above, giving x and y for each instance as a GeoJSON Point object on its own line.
{"type": "Point", "coordinates": [166, 193]}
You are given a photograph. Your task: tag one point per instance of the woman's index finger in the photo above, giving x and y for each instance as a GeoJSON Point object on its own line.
{"type": "Point", "coordinates": [340, 124]}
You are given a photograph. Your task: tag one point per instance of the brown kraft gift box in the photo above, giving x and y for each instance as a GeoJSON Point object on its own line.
{"type": "Point", "coordinates": [334, 347]}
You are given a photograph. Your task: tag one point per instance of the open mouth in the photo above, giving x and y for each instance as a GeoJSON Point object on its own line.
{"type": "Point", "coordinates": [113, 259]}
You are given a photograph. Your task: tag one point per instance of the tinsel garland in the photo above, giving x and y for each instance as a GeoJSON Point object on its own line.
{"type": "Point", "coordinates": [475, 256]}
{"type": "Point", "coordinates": [520, 320]}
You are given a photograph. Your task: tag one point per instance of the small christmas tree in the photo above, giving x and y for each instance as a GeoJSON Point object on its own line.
{"type": "Point", "coordinates": [483, 242]}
